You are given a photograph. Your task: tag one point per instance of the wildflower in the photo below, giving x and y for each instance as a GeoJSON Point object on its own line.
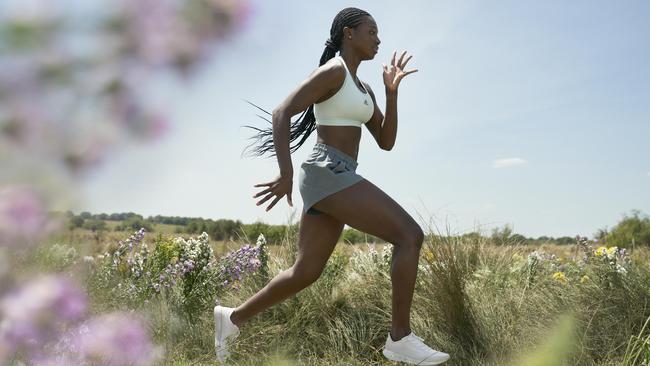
{"type": "Point", "coordinates": [601, 251]}
{"type": "Point", "coordinates": [584, 279]}
{"type": "Point", "coordinates": [36, 309]}
{"type": "Point", "coordinates": [261, 240]}
{"type": "Point", "coordinates": [23, 215]}
{"type": "Point", "coordinates": [117, 338]}
{"type": "Point", "coordinates": [560, 277]}
{"type": "Point", "coordinates": [534, 257]}
{"type": "Point", "coordinates": [428, 255]}
{"type": "Point", "coordinates": [611, 251]}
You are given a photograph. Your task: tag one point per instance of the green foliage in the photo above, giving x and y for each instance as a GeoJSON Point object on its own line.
{"type": "Point", "coordinates": [502, 236]}
{"type": "Point", "coordinates": [274, 234]}
{"type": "Point", "coordinates": [354, 236]}
{"type": "Point", "coordinates": [75, 222]}
{"type": "Point", "coordinates": [473, 300]}
{"type": "Point", "coordinates": [134, 223]}
{"type": "Point", "coordinates": [638, 347]}
{"type": "Point", "coordinates": [634, 228]}
{"type": "Point", "coordinates": [94, 225]}
{"type": "Point", "coordinates": [166, 250]}
{"type": "Point", "coordinates": [556, 349]}
{"type": "Point", "coordinates": [56, 257]}
{"type": "Point", "coordinates": [450, 267]}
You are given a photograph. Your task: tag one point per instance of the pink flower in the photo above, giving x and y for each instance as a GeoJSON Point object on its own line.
{"type": "Point", "coordinates": [23, 215]}
{"type": "Point", "coordinates": [118, 338]}
{"type": "Point", "coordinates": [32, 313]}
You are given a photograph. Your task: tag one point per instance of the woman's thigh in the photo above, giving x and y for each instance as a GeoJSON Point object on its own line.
{"type": "Point", "coordinates": [367, 208]}
{"type": "Point", "coordinates": [317, 238]}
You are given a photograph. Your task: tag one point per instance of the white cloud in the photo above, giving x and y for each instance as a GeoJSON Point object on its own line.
{"type": "Point", "coordinates": [508, 162]}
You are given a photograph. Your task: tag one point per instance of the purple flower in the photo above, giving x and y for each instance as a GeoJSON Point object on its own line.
{"type": "Point", "coordinates": [32, 313]}
{"type": "Point", "coordinates": [119, 338]}
{"type": "Point", "coordinates": [23, 216]}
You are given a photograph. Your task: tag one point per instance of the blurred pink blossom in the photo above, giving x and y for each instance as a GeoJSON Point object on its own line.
{"type": "Point", "coordinates": [118, 338]}
{"type": "Point", "coordinates": [33, 313]}
{"type": "Point", "coordinates": [23, 216]}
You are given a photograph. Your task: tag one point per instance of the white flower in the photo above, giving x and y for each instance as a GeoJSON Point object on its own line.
{"type": "Point", "coordinates": [261, 239]}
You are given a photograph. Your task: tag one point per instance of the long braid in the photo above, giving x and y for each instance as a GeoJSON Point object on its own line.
{"type": "Point", "coordinates": [306, 123]}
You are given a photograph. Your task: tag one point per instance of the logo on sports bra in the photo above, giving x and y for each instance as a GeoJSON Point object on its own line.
{"type": "Point", "coordinates": [365, 101]}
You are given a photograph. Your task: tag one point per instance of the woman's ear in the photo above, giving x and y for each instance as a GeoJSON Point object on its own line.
{"type": "Point", "coordinates": [347, 32]}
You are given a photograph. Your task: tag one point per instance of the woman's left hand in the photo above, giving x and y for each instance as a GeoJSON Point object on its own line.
{"type": "Point", "coordinates": [394, 73]}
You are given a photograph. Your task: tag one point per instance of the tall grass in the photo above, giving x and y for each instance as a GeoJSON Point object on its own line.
{"type": "Point", "coordinates": [484, 304]}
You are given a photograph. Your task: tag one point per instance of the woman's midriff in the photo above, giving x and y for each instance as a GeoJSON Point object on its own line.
{"type": "Point", "coordinates": [344, 138]}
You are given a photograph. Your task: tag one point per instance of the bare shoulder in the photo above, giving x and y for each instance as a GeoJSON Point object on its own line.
{"type": "Point", "coordinates": [316, 87]}
{"type": "Point", "coordinates": [331, 73]}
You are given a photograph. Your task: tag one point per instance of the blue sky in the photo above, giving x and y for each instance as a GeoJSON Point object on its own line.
{"type": "Point", "coordinates": [532, 114]}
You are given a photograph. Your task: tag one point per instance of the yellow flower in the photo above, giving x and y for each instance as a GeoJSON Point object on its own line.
{"type": "Point", "coordinates": [584, 279]}
{"type": "Point", "coordinates": [428, 255]}
{"type": "Point", "coordinates": [611, 251]}
{"type": "Point", "coordinates": [560, 277]}
{"type": "Point", "coordinates": [600, 251]}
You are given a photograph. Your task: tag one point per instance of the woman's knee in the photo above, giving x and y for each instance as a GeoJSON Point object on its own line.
{"type": "Point", "coordinates": [412, 237]}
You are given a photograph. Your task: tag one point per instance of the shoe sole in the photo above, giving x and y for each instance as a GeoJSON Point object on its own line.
{"type": "Point", "coordinates": [400, 358]}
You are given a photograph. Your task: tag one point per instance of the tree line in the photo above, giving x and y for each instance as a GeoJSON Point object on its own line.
{"type": "Point", "coordinates": [632, 230]}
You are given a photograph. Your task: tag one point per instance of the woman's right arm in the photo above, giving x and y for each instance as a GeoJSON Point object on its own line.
{"type": "Point", "coordinates": [317, 85]}
{"type": "Point", "coordinates": [324, 79]}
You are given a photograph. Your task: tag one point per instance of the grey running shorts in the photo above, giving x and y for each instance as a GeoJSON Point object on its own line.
{"type": "Point", "coordinates": [326, 170]}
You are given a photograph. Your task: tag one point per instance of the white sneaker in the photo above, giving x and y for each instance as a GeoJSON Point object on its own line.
{"type": "Point", "coordinates": [411, 349]}
{"type": "Point", "coordinates": [224, 331]}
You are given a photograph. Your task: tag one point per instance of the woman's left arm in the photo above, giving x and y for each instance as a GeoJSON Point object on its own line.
{"type": "Point", "coordinates": [384, 128]}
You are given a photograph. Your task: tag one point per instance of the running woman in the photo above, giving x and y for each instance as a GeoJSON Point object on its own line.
{"type": "Point", "coordinates": [335, 103]}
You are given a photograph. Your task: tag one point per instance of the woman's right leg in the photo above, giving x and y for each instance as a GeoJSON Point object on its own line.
{"type": "Point", "coordinates": [367, 208]}
{"type": "Point", "coordinates": [317, 237]}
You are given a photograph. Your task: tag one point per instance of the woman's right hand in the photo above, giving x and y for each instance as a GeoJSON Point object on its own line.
{"type": "Point", "coordinates": [279, 187]}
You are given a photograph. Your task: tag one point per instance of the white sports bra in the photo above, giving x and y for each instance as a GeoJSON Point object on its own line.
{"type": "Point", "coordinates": [348, 107]}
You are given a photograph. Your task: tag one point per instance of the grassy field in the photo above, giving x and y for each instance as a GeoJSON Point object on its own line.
{"type": "Point", "coordinates": [483, 304]}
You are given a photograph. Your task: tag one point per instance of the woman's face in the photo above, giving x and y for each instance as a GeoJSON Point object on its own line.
{"type": "Point", "coordinates": [365, 39]}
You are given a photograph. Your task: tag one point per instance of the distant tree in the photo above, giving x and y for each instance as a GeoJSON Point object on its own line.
{"type": "Point", "coordinates": [86, 215]}
{"type": "Point", "coordinates": [75, 222]}
{"type": "Point", "coordinates": [565, 240]}
{"type": "Point", "coordinates": [501, 236]}
{"type": "Point", "coordinates": [252, 231]}
{"type": "Point", "coordinates": [275, 234]}
{"type": "Point", "coordinates": [352, 236]}
{"type": "Point", "coordinates": [94, 225]}
{"type": "Point", "coordinates": [471, 237]}
{"type": "Point", "coordinates": [135, 223]}
{"type": "Point", "coordinates": [634, 228]}
{"type": "Point", "coordinates": [601, 234]}
{"type": "Point", "coordinates": [519, 239]}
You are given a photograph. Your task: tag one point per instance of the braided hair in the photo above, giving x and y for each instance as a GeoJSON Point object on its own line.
{"type": "Point", "coordinates": [306, 123]}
